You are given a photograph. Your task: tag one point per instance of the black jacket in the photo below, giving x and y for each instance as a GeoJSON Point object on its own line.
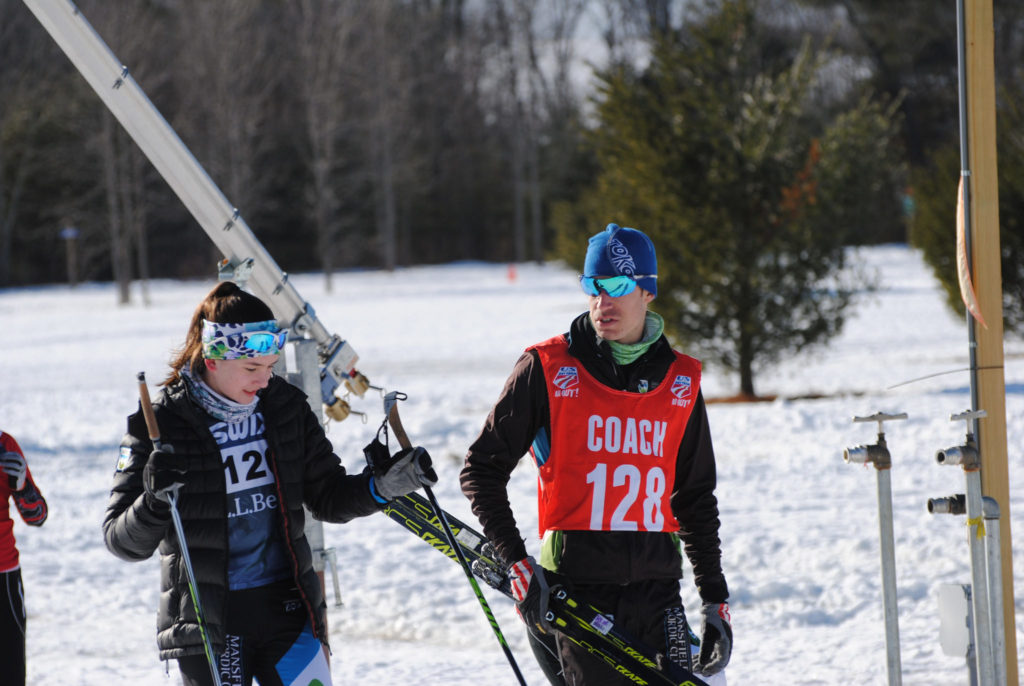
{"type": "Point", "coordinates": [305, 469]}
{"type": "Point", "coordinates": [599, 556]}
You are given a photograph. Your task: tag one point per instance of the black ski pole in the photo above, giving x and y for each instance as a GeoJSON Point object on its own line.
{"type": "Point", "coordinates": [391, 409]}
{"type": "Point", "coordinates": [172, 498]}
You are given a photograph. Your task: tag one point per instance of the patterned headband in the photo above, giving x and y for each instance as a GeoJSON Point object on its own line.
{"type": "Point", "coordinates": [236, 341]}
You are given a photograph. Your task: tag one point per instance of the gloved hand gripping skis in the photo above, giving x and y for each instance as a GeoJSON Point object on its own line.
{"type": "Point", "coordinates": [580, 623]}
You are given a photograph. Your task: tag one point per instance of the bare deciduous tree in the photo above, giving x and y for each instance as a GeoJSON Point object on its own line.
{"type": "Point", "coordinates": [132, 31]}
{"type": "Point", "coordinates": [538, 50]}
{"type": "Point", "coordinates": [227, 80]}
{"type": "Point", "coordinates": [23, 60]}
{"type": "Point", "coordinates": [327, 50]}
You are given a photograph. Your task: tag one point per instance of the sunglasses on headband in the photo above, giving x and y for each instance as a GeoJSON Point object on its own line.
{"type": "Point", "coordinates": [233, 341]}
{"type": "Point", "coordinates": [615, 286]}
{"type": "Point", "coordinates": [262, 341]}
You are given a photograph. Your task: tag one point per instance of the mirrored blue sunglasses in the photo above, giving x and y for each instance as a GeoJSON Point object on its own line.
{"type": "Point", "coordinates": [615, 286]}
{"type": "Point", "coordinates": [263, 341]}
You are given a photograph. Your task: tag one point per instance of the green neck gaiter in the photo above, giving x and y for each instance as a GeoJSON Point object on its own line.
{"type": "Point", "coordinates": [624, 353]}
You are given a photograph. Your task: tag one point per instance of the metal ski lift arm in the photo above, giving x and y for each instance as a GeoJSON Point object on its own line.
{"type": "Point", "coordinates": [222, 222]}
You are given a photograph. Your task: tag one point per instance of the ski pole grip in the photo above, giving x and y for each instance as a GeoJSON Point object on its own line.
{"type": "Point", "coordinates": [147, 411]}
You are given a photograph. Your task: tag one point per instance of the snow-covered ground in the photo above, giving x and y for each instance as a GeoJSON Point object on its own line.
{"type": "Point", "coordinates": [799, 526]}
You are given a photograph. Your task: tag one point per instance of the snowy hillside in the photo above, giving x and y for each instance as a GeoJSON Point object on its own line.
{"type": "Point", "coordinates": [799, 526]}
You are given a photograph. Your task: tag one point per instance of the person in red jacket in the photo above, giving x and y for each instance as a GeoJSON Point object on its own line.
{"type": "Point", "coordinates": [616, 423]}
{"type": "Point", "coordinates": [15, 484]}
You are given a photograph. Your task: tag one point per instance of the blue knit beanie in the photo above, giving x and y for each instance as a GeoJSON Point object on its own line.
{"type": "Point", "coordinates": [619, 251]}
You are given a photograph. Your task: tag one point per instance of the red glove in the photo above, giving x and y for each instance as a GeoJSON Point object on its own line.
{"type": "Point", "coordinates": [530, 589]}
{"type": "Point", "coordinates": [14, 466]}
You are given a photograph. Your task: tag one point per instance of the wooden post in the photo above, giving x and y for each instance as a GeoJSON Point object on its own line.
{"type": "Point", "coordinates": [984, 220]}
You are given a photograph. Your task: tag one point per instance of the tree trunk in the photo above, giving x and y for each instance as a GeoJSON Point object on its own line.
{"type": "Point", "coordinates": [746, 378]}
{"type": "Point", "coordinates": [746, 365]}
{"type": "Point", "coordinates": [8, 213]}
{"type": "Point", "coordinates": [386, 214]}
{"type": "Point", "coordinates": [322, 217]}
{"type": "Point", "coordinates": [536, 204]}
{"type": "Point", "coordinates": [135, 190]}
{"type": "Point", "coordinates": [518, 192]}
{"type": "Point", "coordinates": [118, 240]}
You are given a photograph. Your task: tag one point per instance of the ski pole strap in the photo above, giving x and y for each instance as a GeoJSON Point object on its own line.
{"type": "Point", "coordinates": [391, 410]}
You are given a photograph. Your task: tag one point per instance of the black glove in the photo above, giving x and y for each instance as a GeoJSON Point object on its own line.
{"type": "Point", "coordinates": [163, 473]}
{"type": "Point", "coordinates": [715, 639]}
{"type": "Point", "coordinates": [531, 590]}
{"type": "Point", "coordinates": [403, 472]}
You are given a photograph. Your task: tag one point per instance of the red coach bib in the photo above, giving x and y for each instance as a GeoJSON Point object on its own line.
{"type": "Point", "coordinates": [612, 461]}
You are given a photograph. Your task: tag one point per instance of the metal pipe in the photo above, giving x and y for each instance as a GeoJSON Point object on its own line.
{"type": "Point", "coordinates": [954, 504]}
{"type": "Point", "coordinates": [968, 457]}
{"type": "Point", "coordinates": [878, 455]}
{"type": "Point", "coordinates": [965, 178]}
{"type": "Point", "coordinates": [993, 563]}
{"type": "Point", "coordinates": [330, 558]}
{"type": "Point", "coordinates": [888, 557]}
{"type": "Point", "coordinates": [972, 652]}
{"type": "Point", "coordinates": [979, 582]}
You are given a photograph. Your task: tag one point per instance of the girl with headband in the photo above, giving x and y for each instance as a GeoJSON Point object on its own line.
{"type": "Point", "coordinates": [244, 452]}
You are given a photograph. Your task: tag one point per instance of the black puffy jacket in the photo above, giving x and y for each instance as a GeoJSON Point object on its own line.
{"type": "Point", "coordinates": [306, 471]}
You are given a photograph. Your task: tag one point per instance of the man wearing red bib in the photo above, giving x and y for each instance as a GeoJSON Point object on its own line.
{"type": "Point", "coordinates": [616, 423]}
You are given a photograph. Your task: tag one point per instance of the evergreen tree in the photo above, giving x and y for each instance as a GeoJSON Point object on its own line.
{"type": "Point", "coordinates": [921, 72]}
{"type": "Point", "coordinates": [723, 150]}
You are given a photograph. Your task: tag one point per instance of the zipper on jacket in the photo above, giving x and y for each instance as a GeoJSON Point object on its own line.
{"type": "Point", "coordinates": [296, 572]}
